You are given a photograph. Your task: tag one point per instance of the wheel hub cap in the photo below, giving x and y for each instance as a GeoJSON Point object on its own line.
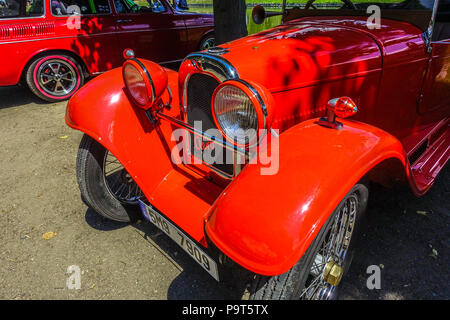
{"type": "Point", "coordinates": [333, 273]}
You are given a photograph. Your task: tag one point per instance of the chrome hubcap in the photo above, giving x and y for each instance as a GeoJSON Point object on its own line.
{"type": "Point", "coordinates": [119, 182]}
{"type": "Point", "coordinates": [329, 264]}
{"type": "Point", "coordinates": [209, 43]}
{"type": "Point", "coordinates": [57, 77]}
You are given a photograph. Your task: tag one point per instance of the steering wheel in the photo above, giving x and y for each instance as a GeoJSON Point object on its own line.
{"type": "Point", "coordinates": [310, 4]}
{"type": "Point", "coordinates": [348, 5]}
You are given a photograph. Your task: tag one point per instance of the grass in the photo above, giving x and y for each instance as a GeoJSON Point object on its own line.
{"type": "Point", "coordinates": [269, 22]}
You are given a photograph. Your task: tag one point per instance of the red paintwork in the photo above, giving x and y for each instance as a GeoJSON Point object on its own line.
{"type": "Point", "coordinates": [265, 223]}
{"type": "Point", "coordinates": [99, 43]}
{"type": "Point", "coordinates": [275, 217]}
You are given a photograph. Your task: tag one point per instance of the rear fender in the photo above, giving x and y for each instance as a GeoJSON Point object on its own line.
{"type": "Point", "coordinates": [102, 110]}
{"type": "Point", "coordinates": [266, 222]}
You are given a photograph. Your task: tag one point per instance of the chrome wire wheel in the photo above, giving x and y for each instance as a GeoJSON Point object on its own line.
{"type": "Point", "coordinates": [119, 182]}
{"type": "Point", "coordinates": [57, 77]}
{"type": "Point", "coordinates": [331, 259]}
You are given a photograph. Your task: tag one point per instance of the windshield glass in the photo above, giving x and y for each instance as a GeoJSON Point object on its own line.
{"type": "Point", "coordinates": [416, 12]}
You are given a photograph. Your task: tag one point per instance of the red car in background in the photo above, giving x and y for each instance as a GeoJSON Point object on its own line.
{"type": "Point", "coordinates": [54, 45]}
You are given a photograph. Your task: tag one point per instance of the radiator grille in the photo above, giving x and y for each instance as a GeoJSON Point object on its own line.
{"type": "Point", "coordinates": [199, 94]}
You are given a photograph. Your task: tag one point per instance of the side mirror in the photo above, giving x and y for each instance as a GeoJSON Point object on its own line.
{"type": "Point", "coordinates": [259, 14]}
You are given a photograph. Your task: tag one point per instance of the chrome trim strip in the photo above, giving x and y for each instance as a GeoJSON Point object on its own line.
{"type": "Point", "coordinates": [216, 65]}
{"type": "Point", "coordinates": [171, 61]}
{"type": "Point", "coordinates": [258, 97]}
{"type": "Point", "coordinates": [430, 31]}
{"type": "Point", "coordinates": [202, 134]}
{"type": "Point", "coordinates": [441, 42]}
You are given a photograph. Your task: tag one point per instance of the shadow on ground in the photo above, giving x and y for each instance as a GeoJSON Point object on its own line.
{"type": "Point", "coordinates": [400, 234]}
{"type": "Point", "coordinates": [100, 223]}
{"type": "Point", "coordinates": [15, 96]}
{"type": "Point", "coordinates": [193, 282]}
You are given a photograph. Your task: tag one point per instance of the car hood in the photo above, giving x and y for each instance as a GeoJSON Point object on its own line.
{"type": "Point", "coordinates": [304, 52]}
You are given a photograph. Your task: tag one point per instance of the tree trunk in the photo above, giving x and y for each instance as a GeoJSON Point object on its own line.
{"type": "Point", "coordinates": [230, 20]}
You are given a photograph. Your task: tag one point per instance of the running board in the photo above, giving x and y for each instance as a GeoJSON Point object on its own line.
{"type": "Point", "coordinates": [428, 165]}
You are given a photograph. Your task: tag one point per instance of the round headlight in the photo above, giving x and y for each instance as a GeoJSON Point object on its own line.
{"type": "Point", "coordinates": [135, 83]}
{"type": "Point", "coordinates": [235, 114]}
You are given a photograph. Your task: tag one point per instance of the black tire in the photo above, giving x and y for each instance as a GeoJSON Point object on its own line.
{"type": "Point", "coordinates": [60, 85]}
{"type": "Point", "coordinates": [207, 42]}
{"type": "Point", "coordinates": [94, 191]}
{"type": "Point", "coordinates": [291, 284]}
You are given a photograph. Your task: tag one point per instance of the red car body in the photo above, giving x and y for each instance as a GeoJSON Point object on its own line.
{"type": "Point", "coordinates": [98, 44]}
{"type": "Point", "coordinates": [399, 80]}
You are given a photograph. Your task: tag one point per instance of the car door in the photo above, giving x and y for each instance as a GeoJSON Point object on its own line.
{"type": "Point", "coordinates": [151, 29]}
{"type": "Point", "coordinates": [436, 89]}
{"type": "Point", "coordinates": [90, 25]}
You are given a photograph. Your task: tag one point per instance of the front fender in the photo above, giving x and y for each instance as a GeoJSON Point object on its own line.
{"type": "Point", "coordinates": [266, 222]}
{"type": "Point", "coordinates": [102, 110]}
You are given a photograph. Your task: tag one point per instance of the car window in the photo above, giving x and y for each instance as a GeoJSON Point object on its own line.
{"type": "Point", "coordinates": [13, 8]}
{"type": "Point", "coordinates": [9, 8]}
{"type": "Point", "coordinates": [139, 6]}
{"type": "Point", "coordinates": [79, 7]}
{"type": "Point", "coordinates": [34, 8]}
{"type": "Point", "coordinates": [442, 25]}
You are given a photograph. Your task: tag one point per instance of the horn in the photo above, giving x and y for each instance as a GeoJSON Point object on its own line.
{"type": "Point", "coordinates": [259, 14]}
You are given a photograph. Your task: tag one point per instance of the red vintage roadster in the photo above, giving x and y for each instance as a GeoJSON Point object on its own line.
{"type": "Point", "coordinates": [247, 157]}
{"type": "Point", "coordinates": [53, 46]}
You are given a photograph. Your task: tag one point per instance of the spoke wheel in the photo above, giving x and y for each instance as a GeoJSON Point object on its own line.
{"type": "Point", "coordinates": [118, 181]}
{"type": "Point", "coordinates": [105, 185]}
{"type": "Point", "coordinates": [318, 273]}
{"type": "Point", "coordinates": [328, 265]}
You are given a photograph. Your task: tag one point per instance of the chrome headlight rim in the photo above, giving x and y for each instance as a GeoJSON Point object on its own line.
{"type": "Point", "coordinates": [257, 102]}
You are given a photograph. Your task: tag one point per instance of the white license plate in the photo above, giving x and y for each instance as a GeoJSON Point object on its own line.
{"type": "Point", "coordinates": [182, 239]}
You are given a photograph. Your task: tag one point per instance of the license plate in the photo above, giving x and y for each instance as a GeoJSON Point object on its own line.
{"type": "Point", "coordinates": [181, 238]}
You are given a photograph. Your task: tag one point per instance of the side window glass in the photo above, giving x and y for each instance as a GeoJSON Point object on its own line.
{"type": "Point", "coordinates": [139, 6]}
{"type": "Point", "coordinates": [79, 7]}
{"type": "Point", "coordinates": [9, 8]}
{"type": "Point", "coordinates": [34, 8]}
{"type": "Point", "coordinates": [442, 24]}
